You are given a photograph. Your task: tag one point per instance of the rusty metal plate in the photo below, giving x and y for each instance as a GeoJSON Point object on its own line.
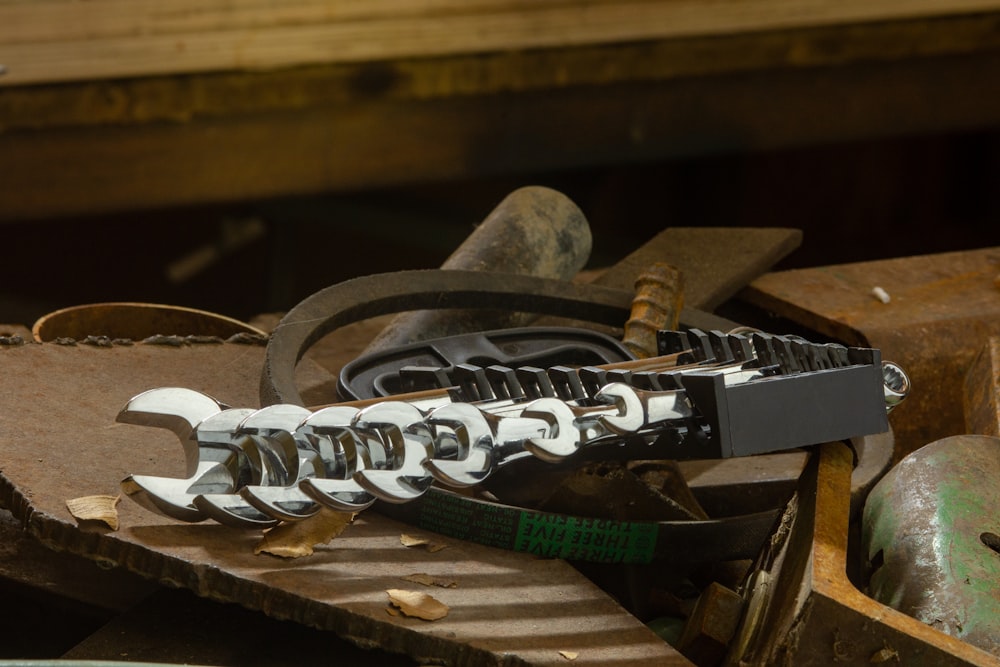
{"type": "Point", "coordinates": [982, 391]}
{"type": "Point", "coordinates": [942, 309]}
{"type": "Point", "coordinates": [931, 534]}
{"type": "Point", "coordinates": [803, 609]}
{"type": "Point", "coordinates": [59, 440]}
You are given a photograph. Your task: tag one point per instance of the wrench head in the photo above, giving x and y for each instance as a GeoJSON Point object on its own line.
{"type": "Point", "coordinates": [631, 412]}
{"type": "Point", "coordinates": [174, 497]}
{"type": "Point", "coordinates": [411, 444]}
{"type": "Point", "coordinates": [218, 435]}
{"type": "Point", "coordinates": [344, 495]}
{"type": "Point", "coordinates": [280, 417]}
{"type": "Point", "coordinates": [329, 431]}
{"type": "Point", "coordinates": [285, 503]}
{"type": "Point", "coordinates": [392, 486]}
{"type": "Point", "coordinates": [469, 428]}
{"type": "Point", "coordinates": [176, 409]}
{"type": "Point", "coordinates": [231, 510]}
{"type": "Point", "coordinates": [563, 439]}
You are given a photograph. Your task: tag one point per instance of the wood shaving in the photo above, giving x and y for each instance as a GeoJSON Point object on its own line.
{"type": "Point", "coordinates": [297, 538]}
{"type": "Point", "coordinates": [95, 508]}
{"type": "Point", "coordinates": [413, 541]}
{"type": "Point", "coordinates": [417, 604]}
{"type": "Point", "coordinates": [569, 655]}
{"type": "Point", "coordinates": [428, 580]}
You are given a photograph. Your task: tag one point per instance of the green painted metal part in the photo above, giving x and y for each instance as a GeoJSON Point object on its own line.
{"type": "Point", "coordinates": [932, 537]}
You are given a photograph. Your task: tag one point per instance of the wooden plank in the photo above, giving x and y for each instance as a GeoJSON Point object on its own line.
{"type": "Point", "coordinates": [506, 606]}
{"type": "Point", "coordinates": [387, 141]}
{"type": "Point", "coordinates": [184, 98]}
{"type": "Point", "coordinates": [717, 262]}
{"type": "Point", "coordinates": [67, 41]}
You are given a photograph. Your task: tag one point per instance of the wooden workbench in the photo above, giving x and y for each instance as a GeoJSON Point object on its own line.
{"type": "Point", "coordinates": [112, 105]}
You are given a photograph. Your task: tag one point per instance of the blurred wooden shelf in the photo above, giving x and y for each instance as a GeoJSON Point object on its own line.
{"type": "Point", "coordinates": [111, 105]}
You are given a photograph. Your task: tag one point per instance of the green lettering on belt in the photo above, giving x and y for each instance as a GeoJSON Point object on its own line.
{"type": "Point", "coordinates": [572, 537]}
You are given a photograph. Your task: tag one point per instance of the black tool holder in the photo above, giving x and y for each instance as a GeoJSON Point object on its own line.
{"type": "Point", "coordinates": [807, 393]}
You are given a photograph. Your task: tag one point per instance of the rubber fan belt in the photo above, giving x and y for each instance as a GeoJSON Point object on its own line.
{"type": "Point", "coordinates": [381, 294]}
{"type": "Point", "coordinates": [585, 539]}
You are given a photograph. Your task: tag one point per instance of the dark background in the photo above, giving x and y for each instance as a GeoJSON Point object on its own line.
{"type": "Point", "coordinates": [854, 202]}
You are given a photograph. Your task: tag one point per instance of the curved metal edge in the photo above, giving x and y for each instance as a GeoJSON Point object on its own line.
{"type": "Point", "coordinates": [874, 458]}
{"type": "Point", "coordinates": [380, 294]}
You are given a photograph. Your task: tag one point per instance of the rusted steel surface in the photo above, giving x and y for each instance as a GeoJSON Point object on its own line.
{"type": "Point", "coordinates": [932, 533]}
{"type": "Point", "coordinates": [804, 610]}
{"type": "Point", "coordinates": [982, 391]}
{"type": "Point", "coordinates": [942, 309]}
{"type": "Point", "coordinates": [59, 440]}
{"type": "Point", "coordinates": [716, 262]}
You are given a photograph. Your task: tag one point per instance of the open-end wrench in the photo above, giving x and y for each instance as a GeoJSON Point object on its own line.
{"type": "Point", "coordinates": [228, 507]}
{"type": "Point", "coordinates": [486, 437]}
{"type": "Point", "coordinates": [410, 445]}
{"type": "Point", "coordinates": [178, 410]}
{"type": "Point", "coordinates": [354, 450]}
{"type": "Point", "coordinates": [276, 428]}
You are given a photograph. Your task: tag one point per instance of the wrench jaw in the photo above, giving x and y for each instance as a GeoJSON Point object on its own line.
{"type": "Point", "coordinates": [353, 451]}
{"type": "Point", "coordinates": [285, 503]}
{"type": "Point", "coordinates": [409, 443]}
{"type": "Point", "coordinates": [180, 411]}
{"type": "Point", "coordinates": [176, 409]}
{"type": "Point", "coordinates": [632, 415]}
{"type": "Point", "coordinates": [292, 457]}
{"type": "Point", "coordinates": [217, 436]}
{"type": "Point", "coordinates": [328, 432]}
{"type": "Point", "coordinates": [231, 510]}
{"type": "Point", "coordinates": [464, 428]}
{"type": "Point", "coordinates": [563, 439]}
{"type": "Point", "coordinates": [227, 507]}
{"type": "Point", "coordinates": [167, 496]}
{"type": "Point", "coordinates": [341, 495]}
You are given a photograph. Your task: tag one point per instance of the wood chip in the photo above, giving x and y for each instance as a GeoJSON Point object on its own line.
{"type": "Point", "coordinates": [417, 604]}
{"type": "Point", "coordinates": [569, 655]}
{"type": "Point", "coordinates": [428, 580]}
{"type": "Point", "coordinates": [297, 538]}
{"type": "Point", "coordinates": [95, 508]}
{"type": "Point", "coordinates": [413, 541]}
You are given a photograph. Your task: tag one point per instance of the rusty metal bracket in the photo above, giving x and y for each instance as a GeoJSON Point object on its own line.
{"type": "Point", "coordinates": [802, 607]}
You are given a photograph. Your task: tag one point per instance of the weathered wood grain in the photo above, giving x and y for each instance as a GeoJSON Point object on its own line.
{"type": "Point", "coordinates": [65, 41]}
